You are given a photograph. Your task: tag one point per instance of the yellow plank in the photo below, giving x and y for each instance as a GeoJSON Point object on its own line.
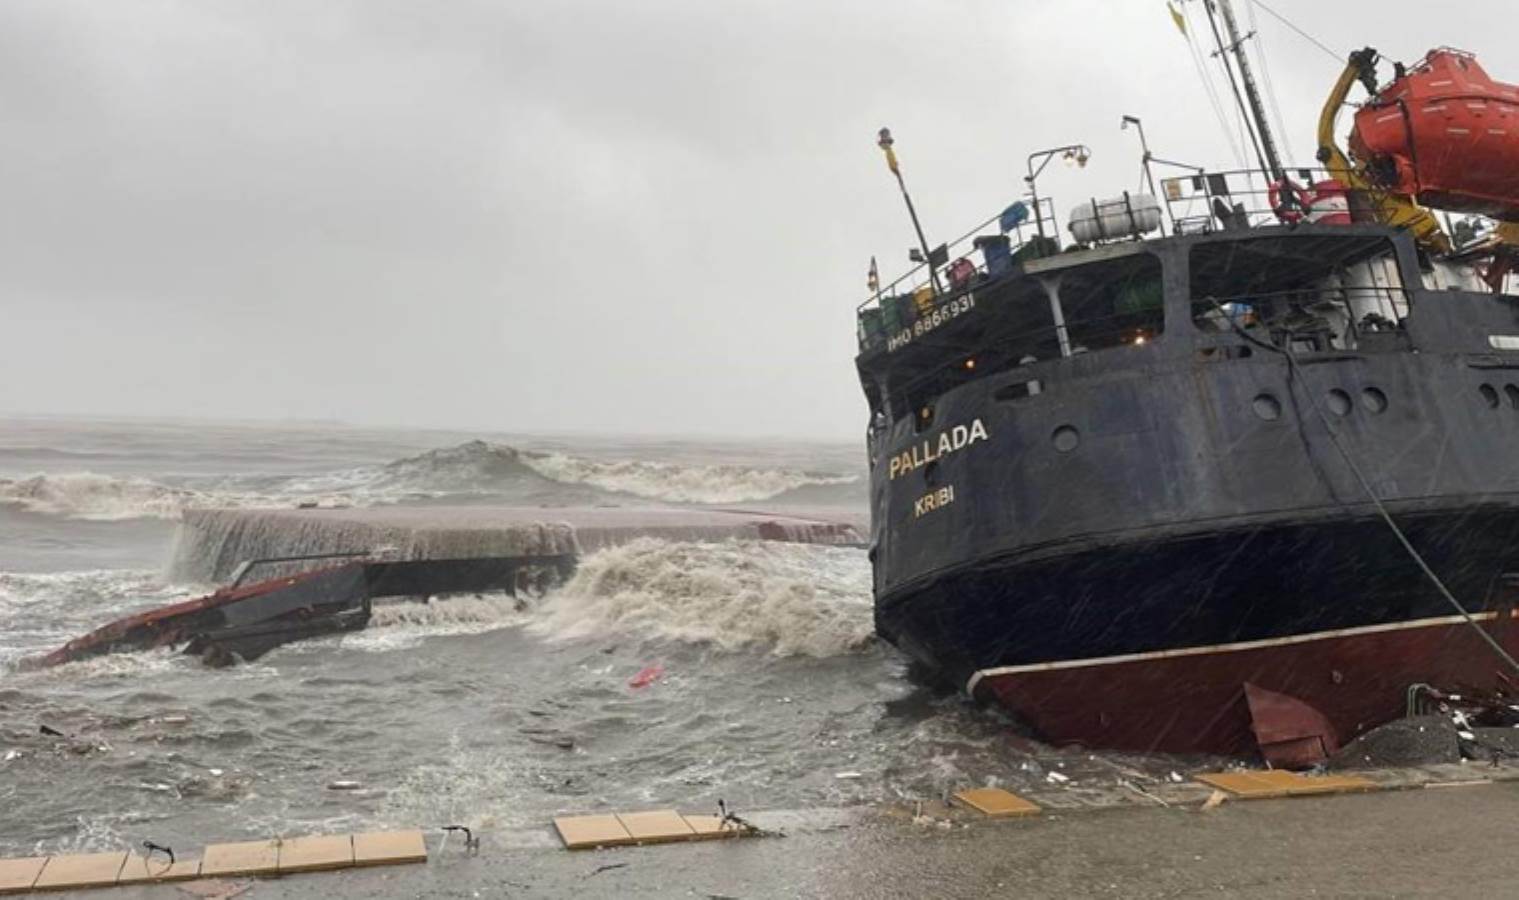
{"type": "Point", "coordinates": [18, 875]}
{"type": "Point", "coordinates": [997, 803]}
{"type": "Point", "coordinates": [1346, 784]}
{"type": "Point", "coordinates": [1248, 785]}
{"type": "Point", "coordinates": [708, 827]}
{"type": "Point", "coordinates": [389, 848]}
{"type": "Point", "coordinates": [141, 870]}
{"type": "Point", "coordinates": [1277, 783]}
{"type": "Point", "coordinates": [657, 827]}
{"type": "Point", "coordinates": [584, 832]}
{"type": "Point", "coordinates": [244, 858]}
{"type": "Point", "coordinates": [86, 870]}
{"type": "Point", "coordinates": [316, 853]}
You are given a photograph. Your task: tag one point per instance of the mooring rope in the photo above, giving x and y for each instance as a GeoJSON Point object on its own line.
{"type": "Point", "coordinates": [1294, 376]}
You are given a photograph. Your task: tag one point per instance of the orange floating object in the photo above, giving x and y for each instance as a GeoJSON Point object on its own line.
{"type": "Point", "coordinates": [646, 676]}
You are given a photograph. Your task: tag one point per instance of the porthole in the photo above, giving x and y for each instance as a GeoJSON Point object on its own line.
{"type": "Point", "coordinates": [1376, 401]}
{"type": "Point", "coordinates": [1489, 395]}
{"type": "Point", "coordinates": [1513, 395]}
{"type": "Point", "coordinates": [1267, 407]}
{"type": "Point", "coordinates": [1339, 402]}
{"type": "Point", "coordinates": [1065, 438]}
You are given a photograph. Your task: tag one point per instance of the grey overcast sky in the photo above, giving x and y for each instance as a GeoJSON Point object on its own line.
{"type": "Point", "coordinates": [647, 217]}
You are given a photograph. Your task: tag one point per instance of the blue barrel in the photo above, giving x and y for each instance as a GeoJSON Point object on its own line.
{"type": "Point", "coordinates": [995, 251]}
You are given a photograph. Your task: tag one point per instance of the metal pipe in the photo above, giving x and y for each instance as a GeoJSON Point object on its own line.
{"type": "Point", "coordinates": [1252, 93]}
{"type": "Point", "coordinates": [1052, 292]}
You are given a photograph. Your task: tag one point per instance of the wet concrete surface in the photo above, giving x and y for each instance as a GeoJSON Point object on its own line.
{"type": "Point", "coordinates": [1432, 842]}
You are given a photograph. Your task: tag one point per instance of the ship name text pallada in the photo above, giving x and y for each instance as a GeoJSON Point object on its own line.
{"type": "Point", "coordinates": [950, 440]}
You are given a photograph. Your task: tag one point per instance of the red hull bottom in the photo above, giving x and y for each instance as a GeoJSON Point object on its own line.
{"type": "Point", "coordinates": [1193, 700]}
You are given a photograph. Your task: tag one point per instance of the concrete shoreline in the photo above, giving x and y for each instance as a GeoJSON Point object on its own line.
{"type": "Point", "coordinates": [1435, 831]}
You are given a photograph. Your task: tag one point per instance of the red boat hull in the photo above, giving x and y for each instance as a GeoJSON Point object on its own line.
{"type": "Point", "coordinates": [1193, 700]}
{"type": "Point", "coordinates": [1447, 134]}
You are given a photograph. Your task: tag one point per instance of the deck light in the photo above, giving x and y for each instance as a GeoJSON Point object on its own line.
{"type": "Point", "coordinates": [970, 363]}
{"type": "Point", "coordinates": [1077, 154]}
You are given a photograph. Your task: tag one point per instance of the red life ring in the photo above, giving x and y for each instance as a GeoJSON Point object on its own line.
{"type": "Point", "coordinates": [1289, 202]}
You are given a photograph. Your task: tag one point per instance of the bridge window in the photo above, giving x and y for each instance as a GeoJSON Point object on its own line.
{"type": "Point", "coordinates": [1115, 303]}
{"type": "Point", "coordinates": [1320, 292]}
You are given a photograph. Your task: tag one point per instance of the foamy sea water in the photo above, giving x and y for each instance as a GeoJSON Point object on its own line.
{"type": "Point", "coordinates": [770, 690]}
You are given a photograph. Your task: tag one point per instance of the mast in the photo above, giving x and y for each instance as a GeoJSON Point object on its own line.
{"type": "Point", "coordinates": [1272, 159]}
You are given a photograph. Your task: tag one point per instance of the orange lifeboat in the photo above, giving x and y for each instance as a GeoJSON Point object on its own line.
{"type": "Point", "coordinates": [1446, 134]}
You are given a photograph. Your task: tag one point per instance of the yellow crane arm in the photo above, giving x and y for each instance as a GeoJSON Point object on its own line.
{"type": "Point", "coordinates": [1397, 210]}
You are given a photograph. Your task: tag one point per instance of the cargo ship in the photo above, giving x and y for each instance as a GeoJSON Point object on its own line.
{"type": "Point", "coordinates": [1235, 470]}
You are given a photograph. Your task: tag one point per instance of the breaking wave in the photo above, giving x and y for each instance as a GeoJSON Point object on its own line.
{"type": "Point", "coordinates": [471, 469]}
{"type": "Point", "coordinates": [86, 495]}
{"type": "Point", "coordinates": [791, 598]}
{"type": "Point", "coordinates": [679, 483]}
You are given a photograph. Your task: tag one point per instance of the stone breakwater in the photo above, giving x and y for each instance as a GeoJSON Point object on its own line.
{"type": "Point", "coordinates": [212, 542]}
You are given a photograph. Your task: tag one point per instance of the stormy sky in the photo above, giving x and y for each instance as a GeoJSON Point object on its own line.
{"type": "Point", "coordinates": [613, 217]}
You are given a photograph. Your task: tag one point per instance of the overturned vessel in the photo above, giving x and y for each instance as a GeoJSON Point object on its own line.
{"type": "Point", "coordinates": [241, 622]}
{"type": "Point", "coordinates": [1152, 492]}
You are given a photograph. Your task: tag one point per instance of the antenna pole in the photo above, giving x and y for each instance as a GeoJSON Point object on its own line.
{"type": "Point", "coordinates": [885, 143]}
{"type": "Point", "coordinates": [1252, 93]}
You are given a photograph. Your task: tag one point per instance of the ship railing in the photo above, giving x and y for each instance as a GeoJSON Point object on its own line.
{"type": "Point", "coordinates": [960, 266]}
{"type": "Point", "coordinates": [1206, 202]}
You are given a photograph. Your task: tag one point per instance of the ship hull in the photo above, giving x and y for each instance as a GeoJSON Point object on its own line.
{"type": "Point", "coordinates": [1148, 644]}
{"type": "Point", "coordinates": [1193, 700]}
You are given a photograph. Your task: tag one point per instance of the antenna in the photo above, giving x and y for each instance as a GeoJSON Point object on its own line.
{"type": "Point", "coordinates": [1252, 93]}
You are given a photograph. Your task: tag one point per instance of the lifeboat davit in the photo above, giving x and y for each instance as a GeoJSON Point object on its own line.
{"type": "Point", "coordinates": [1446, 134]}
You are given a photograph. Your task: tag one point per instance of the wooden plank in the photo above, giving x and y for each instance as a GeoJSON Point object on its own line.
{"type": "Point", "coordinates": [18, 875]}
{"type": "Point", "coordinates": [657, 827]}
{"type": "Point", "coordinates": [316, 853]}
{"type": "Point", "coordinates": [585, 832]}
{"type": "Point", "coordinates": [243, 858]}
{"type": "Point", "coordinates": [389, 848]}
{"type": "Point", "coordinates": [708, 827]}
{"type": "Point", "coordinates": [1245, 785]}
{"type": "Point", "coordinates": [1257, 785]}
{"type": "Point", "coordinates": [144, 870]}
{"type": "Point", "coordinates": [85, 870]}
{"type": "Point", "coordinates": [997, 803]}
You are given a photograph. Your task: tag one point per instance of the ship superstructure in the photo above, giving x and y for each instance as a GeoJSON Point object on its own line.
{"type": "Point", "coordinates": [1146, 489]}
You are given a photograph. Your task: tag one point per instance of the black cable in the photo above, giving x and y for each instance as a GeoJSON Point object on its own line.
{"type": "Point", "coordinates": [1296, 376]}
{"type": "Point", "coordinates": [470, 841]}
{"type": "Point", "coordinates": [1337, 57]}
{"type": "Point", "coordinates": [160, 848]}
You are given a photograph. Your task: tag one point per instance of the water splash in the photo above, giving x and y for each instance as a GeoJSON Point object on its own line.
{"type": "Point", "coordinates": [86, 495]}
{"type": "Point", "coordinates": [790, 598]}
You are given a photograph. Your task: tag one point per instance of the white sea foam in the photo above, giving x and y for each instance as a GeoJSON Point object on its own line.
{"type": "Point", "coordinates": [57, 594]}
{"type": "Point", "coordinates": [474, 467]}
{"type": "Point", "coordinates": [791, 598]}
{"type": "Point", "coordinates": [678, 483]}
{"type": "Point", "coordinates": [86, 495]}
